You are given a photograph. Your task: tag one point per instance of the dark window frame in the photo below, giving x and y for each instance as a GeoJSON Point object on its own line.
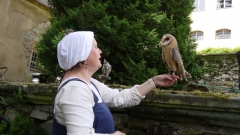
{"type": "Point", "coordinates": [223, 34]}
{"type": "Point", "coordinates": [197, 35]}
{"type": "Point", "coordinates": [222, 4]}
{"type": "Point", "coordinates": [33, 61]}
{"type": "Point", "coordinates": [199, 5]}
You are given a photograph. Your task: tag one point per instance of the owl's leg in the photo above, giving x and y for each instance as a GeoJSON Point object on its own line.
{"type": "Point", "coordinates": [181, 77]}
{"type": "Point", "coordinates": [169, 72]}
{"type": "Point", "coordinates": [173, 73]}
{"type": "Point", "coordinates": [174, 70]}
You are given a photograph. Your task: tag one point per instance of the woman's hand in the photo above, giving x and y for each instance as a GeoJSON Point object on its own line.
{"type": "Point", "coordinates": [118, 133]}
{"type": "Point", "coordinates": [159, 80]}
{"type": "Point", "coordinates": [165, 80]}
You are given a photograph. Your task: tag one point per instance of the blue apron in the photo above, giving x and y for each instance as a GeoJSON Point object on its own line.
{"type": "Point", "coordinates": [103, 120]}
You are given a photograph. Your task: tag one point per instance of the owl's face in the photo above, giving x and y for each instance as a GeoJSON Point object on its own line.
{"type": "Point", "coordinates": [166, 39]}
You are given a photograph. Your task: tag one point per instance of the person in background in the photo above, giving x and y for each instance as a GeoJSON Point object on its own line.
{"type": "Point", "coordinates": [81, 103]}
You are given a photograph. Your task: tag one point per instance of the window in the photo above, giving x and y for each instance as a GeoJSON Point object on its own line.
{"type": "Point", "coordinates": [198, 35]}
{"type": "Point", "coordinates": [223, 34]}
{"type": "Point", "coordinates": [199, 5]}
{"type": "Point", "coordinates": [224, 4]}
{"type": "Point", "coordinates": [33, 60]}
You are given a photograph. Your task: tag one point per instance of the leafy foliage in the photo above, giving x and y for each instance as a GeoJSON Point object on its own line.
{"type": "Point", "coordinates": [219, 50]}
{"type": "Point", "coordinates": [46, 50]}
{"type": "Point", "coordinates": [127, 32]}
{"type": "Point", "coordinates": [23, 125]}
{"type": "Point", "coordinates": [139, 68]}
{"type": "Point", "coordinates": [15, 100]}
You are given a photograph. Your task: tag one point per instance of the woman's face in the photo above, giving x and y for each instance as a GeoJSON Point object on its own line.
{"type": "Point", "coordinates": [93, 59]}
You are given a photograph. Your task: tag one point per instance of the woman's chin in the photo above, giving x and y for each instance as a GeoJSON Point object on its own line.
{"type": "Point", "coordinates": [100, 66]}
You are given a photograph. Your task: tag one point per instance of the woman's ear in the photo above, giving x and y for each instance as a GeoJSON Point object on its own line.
{"type": "Point", "coordinates": [85, 63]}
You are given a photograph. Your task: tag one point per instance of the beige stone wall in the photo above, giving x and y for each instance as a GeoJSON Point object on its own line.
{"type": "Point", "coordinates": [18, 17]}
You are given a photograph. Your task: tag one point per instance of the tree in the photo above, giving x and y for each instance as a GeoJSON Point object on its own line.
{"type": "Point", "coordinates": [127, 31]}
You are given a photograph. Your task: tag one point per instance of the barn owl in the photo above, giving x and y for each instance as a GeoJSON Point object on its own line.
{"type": "Point", "coordinates": [172, 57]}
{"type": "Point", "coordinates": [106, 68]}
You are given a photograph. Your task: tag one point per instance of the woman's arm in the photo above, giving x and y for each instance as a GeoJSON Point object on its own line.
{"type": "Point", "coordinates": [132, 96]}
{"type": "Point", "coordinates": [160, 80]}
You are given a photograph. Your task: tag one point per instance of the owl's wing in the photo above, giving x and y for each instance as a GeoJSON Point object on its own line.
{"type": "Point", "coordinates": [104, 69]}
{"type": "Point", "coordinates": [176, 55]}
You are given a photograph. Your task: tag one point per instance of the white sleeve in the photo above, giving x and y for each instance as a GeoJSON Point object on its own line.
{"type": "Point", "coordinates": [74, 109]}
{"type": "Point", "coordinates": [115, 98]}
{"type": "Point", "coordinates": [124, 98]}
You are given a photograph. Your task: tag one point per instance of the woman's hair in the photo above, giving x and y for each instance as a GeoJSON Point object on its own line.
{"type": "Point", "coordinates": [77, 66]}
{"type": "Point", "coordinates": [68, 31]}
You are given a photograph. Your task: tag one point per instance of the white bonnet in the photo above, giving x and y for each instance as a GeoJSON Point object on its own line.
{"type": "Point", "coordinates": [73, 48]}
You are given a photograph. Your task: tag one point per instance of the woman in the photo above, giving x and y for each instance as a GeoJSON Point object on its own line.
{"type": "Point", "coordinates": [81, 104]}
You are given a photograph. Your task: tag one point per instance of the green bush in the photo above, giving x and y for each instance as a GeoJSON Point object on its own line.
{"type": "Point", "coordinates": [219, 50]}
{"type": "Point", "coordinates": [127, 31]}
{"type": "Point", "coordinates": [15, 100]}
{"type": "Point", "coordinates": [23, 125]}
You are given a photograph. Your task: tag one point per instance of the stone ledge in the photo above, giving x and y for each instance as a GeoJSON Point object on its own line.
{"type": "Point", "coordinates": [160, 108]}
{"type": "Point", "coordinates": [194, 100]}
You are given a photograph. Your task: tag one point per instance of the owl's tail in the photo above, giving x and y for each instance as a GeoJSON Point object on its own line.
{"type": "Point", "coordinates": [187, 74]}
{"type": "Point", "coordinates": [180, 67]}
{"type": "Point", "coordinates": [183, 73]}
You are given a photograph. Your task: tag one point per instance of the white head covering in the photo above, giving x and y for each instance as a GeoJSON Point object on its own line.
{"type": "Point", "coordinates": [73, 48]}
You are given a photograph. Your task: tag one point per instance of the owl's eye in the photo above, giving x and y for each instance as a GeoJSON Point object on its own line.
{"type": "Point", "coordinates": [167, 38]}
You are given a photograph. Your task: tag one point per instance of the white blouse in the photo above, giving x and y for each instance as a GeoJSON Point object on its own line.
{"type": "Point", "coordinates": [74, 104]}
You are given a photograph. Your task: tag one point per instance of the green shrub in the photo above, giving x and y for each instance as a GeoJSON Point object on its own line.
{"type": "Point", "coordinates": [219, 50]}
{"type": "Point", "coordinates": [127, 31]}
{"type": "Point", "coordinates": [15, 100]}
{"type": "Point", "coordinates": [23, 125]}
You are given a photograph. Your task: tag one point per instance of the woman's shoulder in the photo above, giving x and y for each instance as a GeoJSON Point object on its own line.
{"type": "Point", "coordinates": [71, 81]}
{"type": "Point", "coordinates": [76, 87]}
{"type": "Point", "coordinates": [72, 84]}
{"type": "Point", "coordinates": [100, 86]}
{"type": "Point", "coordinates": [94, 80]}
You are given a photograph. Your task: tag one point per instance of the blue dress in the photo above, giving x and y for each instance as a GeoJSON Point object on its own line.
{"type": "Point", "coordinates": [103, 120]}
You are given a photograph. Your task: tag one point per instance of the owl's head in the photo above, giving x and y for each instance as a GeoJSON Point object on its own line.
{"type": "Point", "coordinates": [166, 39]}
{"type": "Point", "coordinates": [105, 61]}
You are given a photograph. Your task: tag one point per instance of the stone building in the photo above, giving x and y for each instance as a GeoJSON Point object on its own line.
{"type": "Point", "coordinates": [22, 22]}
{"type": "Point", "coordinates": [216, 23]}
